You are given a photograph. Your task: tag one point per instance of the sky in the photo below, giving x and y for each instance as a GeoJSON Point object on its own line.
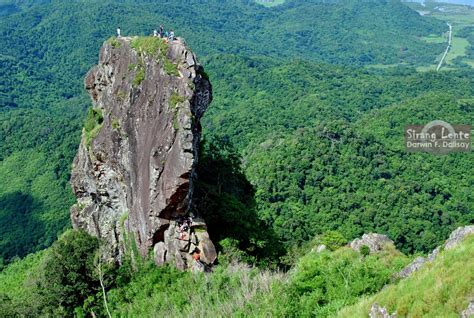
{"type": "Point", "coordinates": [470, 2]}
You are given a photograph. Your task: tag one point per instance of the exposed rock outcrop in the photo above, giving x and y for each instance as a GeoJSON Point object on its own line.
{"type": "Point", "coordinates": [457, 236]}
{"type": "Point", "coordinates": [319, 249]}
{"type": "Point", "coordinates": [414, 266]}
{"type": "Point", "coordinates": [134, 172]}
{"type": "Point", "coordinates": [454, 239]}
{"type": "Point", "coordinates": [377, 311]}
{"type": "Point", "coordinates": [469, 312]}
{"type": "Point", "coordinates": [375, 242]}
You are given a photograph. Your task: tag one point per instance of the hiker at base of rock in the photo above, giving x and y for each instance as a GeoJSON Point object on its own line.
{"type": "Point", "coordinates": [197, 255]}
{"type": "Point", "coordinates": [183, 226]}
{"type": "Point", "coordinates": [118, 31]}
{"type": "Point", "coordinates": [182, 235]}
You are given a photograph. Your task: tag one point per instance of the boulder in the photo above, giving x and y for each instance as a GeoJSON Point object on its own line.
{"type": "Point", "coordinates": [377, 311]}
{"type": "Point", "coordinates": [375, 242]}
{"type": "Point", "coordinates": [412, 267]}
{"type": "Point", "coordinates": [206, 248]}
{"type": "Point", "coordinates": [159, 251]}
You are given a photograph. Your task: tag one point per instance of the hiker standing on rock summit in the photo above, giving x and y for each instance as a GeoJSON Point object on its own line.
{"type": "Point", "coordinates": [160, 31]}
{"type": "Point", "coordinates": [118, 32]}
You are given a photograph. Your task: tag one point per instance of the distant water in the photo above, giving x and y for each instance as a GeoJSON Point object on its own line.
{"type": "Point", "coordinates": [468, 2]}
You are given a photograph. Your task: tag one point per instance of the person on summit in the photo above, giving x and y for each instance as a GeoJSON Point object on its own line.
{"type": "Point", "coordinates": [118, 32]}
{"type": "Point", "coordinates": [160, 31]}
{"type": "Point", "coordinates": [171, 35]}
{"type": "Point", "coordinates": [155, 33]}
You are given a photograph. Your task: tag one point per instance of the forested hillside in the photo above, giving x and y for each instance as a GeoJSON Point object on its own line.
{"type": "Point", "coordinates": [324, 148]}
{"type": "Point", "coordinates": [48, 47]}
{"type": "Point", "coordinates": [302, 152]}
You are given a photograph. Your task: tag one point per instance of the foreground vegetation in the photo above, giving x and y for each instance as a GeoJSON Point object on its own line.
{"type": "Point", "coordinates": [442, 289]}
{"type": "Point", "coordinates": [65, 280]}
{"type": "Point", "coordinates": [321, 284]}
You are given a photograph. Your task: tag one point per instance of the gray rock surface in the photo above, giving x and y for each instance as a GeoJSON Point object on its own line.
{"type": "Point", "coordinates": [319, 249]}
{"type": "Point", "coordinates": [377, 311]}
{"type": "Point", "coordinates": [457, 236]}
{"type": "Point", "coordinates": [412, 267]}
{"type": "Point", "coordinates": [454, 239]}
{"type": "Point", "coordinates": [469, 312]}
{"type": "Point", "coordinates": [134, 175]}
{"type": "Point", "coordinates": [375, 242]}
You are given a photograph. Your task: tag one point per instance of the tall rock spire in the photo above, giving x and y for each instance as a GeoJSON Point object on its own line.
{"type": "Point", "coordinates": [134, 172]}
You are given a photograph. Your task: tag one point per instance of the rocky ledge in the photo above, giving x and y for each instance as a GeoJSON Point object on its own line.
{"type": "Point", "coordinates": [134, 173]}
{"type": "Point", "coordinates": [454, 239]}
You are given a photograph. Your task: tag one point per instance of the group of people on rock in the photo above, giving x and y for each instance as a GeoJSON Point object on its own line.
{"type": "Point", "coordinates": [161, 33]}
{"type": "Point", "coordinates": [169, 35]}
{"type": "Point", "coordinates": [184, 225]}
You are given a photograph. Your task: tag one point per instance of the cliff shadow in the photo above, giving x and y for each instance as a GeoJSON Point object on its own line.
{"type": "Point", "coordinates": [226, 200]}
{"type": "Point", "coordinates": [20, 229]}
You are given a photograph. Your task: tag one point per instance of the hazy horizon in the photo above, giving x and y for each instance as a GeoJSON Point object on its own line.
{"type": "Point", "coordinates": [467, 2]}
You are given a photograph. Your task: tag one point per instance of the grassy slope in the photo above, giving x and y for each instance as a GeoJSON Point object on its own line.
{"type": "Point", "coordinates": [320, 284]}
{"type": "Point", "coordinates": [441, 289]}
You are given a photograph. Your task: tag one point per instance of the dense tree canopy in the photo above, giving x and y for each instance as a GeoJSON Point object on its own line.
{"type": "Point", "coordinates": [261, 103]}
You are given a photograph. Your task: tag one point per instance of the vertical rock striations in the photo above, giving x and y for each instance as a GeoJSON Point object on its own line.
{"type": "Point", "coordinates": [134, 172]}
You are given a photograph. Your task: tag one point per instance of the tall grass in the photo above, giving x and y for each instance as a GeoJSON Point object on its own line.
{"type": "Point", "coordinates": [228, 291]}
{"type": "Point", "coordinates": [441, 289]}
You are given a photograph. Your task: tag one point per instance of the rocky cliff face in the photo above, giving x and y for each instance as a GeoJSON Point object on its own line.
{"type": "Point", "coordinates": [134, 172]}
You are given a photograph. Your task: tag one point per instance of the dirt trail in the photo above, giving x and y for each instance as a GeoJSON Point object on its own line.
{"type": "Point", "coordinates": [450, 38]}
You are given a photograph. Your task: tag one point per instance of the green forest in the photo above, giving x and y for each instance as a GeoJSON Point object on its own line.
{"type": "Point", "coordinates": [305, 128]}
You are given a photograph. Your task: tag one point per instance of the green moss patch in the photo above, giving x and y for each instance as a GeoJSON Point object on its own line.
{"type": "Point", "coordinates": [93, 124]}
{"type": "Point", "coordinates": [114, 42]}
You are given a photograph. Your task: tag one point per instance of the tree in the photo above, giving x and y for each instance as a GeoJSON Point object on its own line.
{"type": "Point", "coordinates": [68, 275]}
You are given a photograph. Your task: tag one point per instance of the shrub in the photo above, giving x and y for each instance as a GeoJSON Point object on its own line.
{"type": "Point", "coordinates": [333, 240]}
{"type": "Point", "coordinates": [326, 281]}
{"type": "Point", "coordinates": [170, 68]}
{"type": "Point", "coordinates": [176, 99]}
{"type": "Point", "coordinates": [115, 123]}
{"type": "Point", "coordinates": [68, 278]}
{"type": "Point", "coordinates": [156, 48]}
{"type": "Point", "coordinates": [364, 250]}
{"type": "Point", "coordinates": [150, 45]}
{"type": "Point", "coordinates": [139, 76]}
{"type": "Point", "coordinates": [114, 42]}
{"type": "Point", "coordinates": [93, 124]}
